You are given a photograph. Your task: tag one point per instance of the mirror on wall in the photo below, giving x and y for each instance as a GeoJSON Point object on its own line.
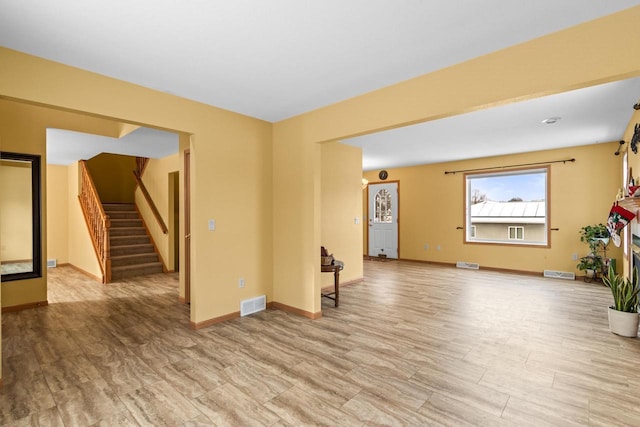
{"type": "Point", "coordinates": [20, 229]}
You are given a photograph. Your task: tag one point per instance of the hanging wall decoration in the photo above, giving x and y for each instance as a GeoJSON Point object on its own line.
{"type": "Point", "coordinates": [635, 139]}
{"type": "Point", "coordinates": [619, 217]}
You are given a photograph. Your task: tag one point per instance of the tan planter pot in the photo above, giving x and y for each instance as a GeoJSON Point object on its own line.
{"type": "Point", "coordinates": [622, 323]}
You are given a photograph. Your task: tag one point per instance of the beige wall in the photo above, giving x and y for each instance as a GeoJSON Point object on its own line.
{"type": "Point", "coordinates": [341, 204]}
{"type": "Point", "coordinates": [22, 135]}
{"type": "Point", "coordinates": [596, 52]}
{"type": "Point", "coordinates": [15, 211]}
{"type": "Point", "coordinates": [432, 209]}
{"type": "Point", "coordinates": [156, 181]}
{"type": "Point", "coordinates": [23, 130]}
{"type": "Point", "coordinates": [113, 177]}
{"type": "Point", "coordinates": [68, 240]}
{"type": "Point", "coordinates": [231, 165]}
{"type": "Point", "coordinates": [262, 182]}
{"type": "Point", "coordinates": [58, 213]}
{"type": "Point", "coordinates": [81, 251]}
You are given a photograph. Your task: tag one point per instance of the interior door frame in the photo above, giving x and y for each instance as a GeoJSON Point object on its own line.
{"type": "Point", "coordinates": [187, 226]}
{"type": "Point", "coordinates": [397, 182]}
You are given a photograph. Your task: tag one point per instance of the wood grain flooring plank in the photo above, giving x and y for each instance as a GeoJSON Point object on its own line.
{"type": "Point", "coordinates": [412, 344]}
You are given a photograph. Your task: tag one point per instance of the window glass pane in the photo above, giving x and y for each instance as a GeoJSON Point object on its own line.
{"type": "Point", "coordinates": [383, 207]}
{"type": "Point", "coordinates": [516, 200]}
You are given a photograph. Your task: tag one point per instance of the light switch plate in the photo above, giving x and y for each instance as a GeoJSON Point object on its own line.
{"type": "Point", "coordinates": [212, 224]}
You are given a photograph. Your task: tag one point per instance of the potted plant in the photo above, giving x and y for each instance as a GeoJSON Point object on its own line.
{"type": "Point", "coordinates": [594, 236]}
{"type": "Point", "coordinates": [591, 265]}
{"type": "Point", "coordinates": [597, 237]}
{"type": "Point", "coordinates": [623, 314]}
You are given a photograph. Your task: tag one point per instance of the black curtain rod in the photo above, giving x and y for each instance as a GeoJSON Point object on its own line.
{"type": "Point", "coordinates": [509, 166]}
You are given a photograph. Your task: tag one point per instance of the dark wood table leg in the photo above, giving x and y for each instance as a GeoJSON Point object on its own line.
{"type": "Point", "coordinates": [336, 284]}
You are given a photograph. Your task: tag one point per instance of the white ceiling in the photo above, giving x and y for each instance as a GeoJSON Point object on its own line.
{"type": "Point", "coordinates": [280, 58]}
{"type": "Point", "coordinates": [65, 147]}
{"type": "Point", "coordinates": [588, 116]}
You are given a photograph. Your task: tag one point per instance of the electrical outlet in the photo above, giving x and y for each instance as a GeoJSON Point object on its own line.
{"type": "Point", "coordinates": [574, 257]}
{"type": "Point", "coordinates": [438, 247]}
{"type": "Point", "coordinates": [426, 246]}
{"type": "Point", "coordinates": [241, 283]}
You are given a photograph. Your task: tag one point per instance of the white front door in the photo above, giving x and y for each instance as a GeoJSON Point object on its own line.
{"type": "Point", "coordinates": [383, 220]}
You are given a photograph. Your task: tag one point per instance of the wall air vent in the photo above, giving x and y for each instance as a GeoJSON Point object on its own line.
{"type": "Point", "coordinates": [559, 275]}
{"type": "Point", "coordinates": [52, 263]}
{"type": "Point", "coordinates": [468, 265]}
{"type": "Point", "coordinates": [253, 305]}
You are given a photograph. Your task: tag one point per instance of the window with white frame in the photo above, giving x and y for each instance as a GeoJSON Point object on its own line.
{"type": "Point", "coordinates": [515, 233]}
{"type": "Point", "coordinates": [516, 200]}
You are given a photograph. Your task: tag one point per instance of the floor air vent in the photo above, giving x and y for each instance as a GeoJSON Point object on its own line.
{"type": "Point", "coordinates": [253, 305]}
{"type": "Point", "coordinates": [468, 265]}
{"type": "Point", "coordinates": [559, 275]}
{"type": "Point", "coordinates": [51, 263]}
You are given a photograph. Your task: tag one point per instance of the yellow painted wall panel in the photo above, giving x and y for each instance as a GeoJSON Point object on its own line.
{"type": "Point", "coordinates": [156, 181]}
{"type": "Point", "coordinates": [80, 248]}
{"type": "Point", "coordinates": [15, 211]}
{"type": "Point", "coordinates": [21, 135]}
{"type": "Point", "coordinates": [57, 213]}
{"type": "Point", "coordinates": [432, 209]}
{"type": "Point", "coordinates": [595, 52]}
{"type": "Point", "coordinates": [231, 157]}
{"type": "Point", "coordinates": [112, 175]}
{"type": "Point", "coordinates": [341, 205]}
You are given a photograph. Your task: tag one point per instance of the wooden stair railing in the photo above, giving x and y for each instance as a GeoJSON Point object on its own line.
{"type": "Point", "coordinates": [149, 200]}
{"type": "Point", "coordinates": [141, 164]}
{"type": "Point", "coordinates": [97, 220]}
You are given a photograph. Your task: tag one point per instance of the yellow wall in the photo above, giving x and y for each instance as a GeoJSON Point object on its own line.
{"type": "Point", "coordinates": [262, 182]}
{"type": "Point", "coordinates": [341, 205]}
{"type": "Point", "coordinates": [57, 213]}
{"type": "Point", "coordinates": [20, 133]}
{"type": "Point", "coordinates": [231, 165]}
{"type": "Point", "coordinates": [113, 177]}
{"type": "Point", "coordinates": [156, 181]}
{"type": "Point", "coordinates": [592, 53]}
{"type": "Point", "coordinates": [432, 207]}
{"type": "Point", "coordinates": [80, 248]}
{"type": "Point", "coordinates": [15, 211]}
{"type": "Point", "coordinates": [68, 240]}
{"type": "Point", "coordinates": [23, 130]}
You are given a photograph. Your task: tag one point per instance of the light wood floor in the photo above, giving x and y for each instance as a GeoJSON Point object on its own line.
{"type": "Point", "coordinates": [412, 345]}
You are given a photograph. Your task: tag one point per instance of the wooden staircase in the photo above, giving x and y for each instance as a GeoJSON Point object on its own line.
{"type": "Point", "coordinates": [130, 247]}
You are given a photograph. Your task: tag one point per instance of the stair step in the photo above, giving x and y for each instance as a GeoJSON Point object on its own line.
{"type": "Point", "coordinates": [128, 240]}
{"type": "Point", "coordinates": [135, 270]}
{"type": "Point", "coordinates": [122, 214]}
{"type": "Point", "coordinates": [130, 259]}
{"type": "Point", "coordinates": [117, 223]}
{"type": "Point", "coordinates": [118, 207]}
{"type": "Point", "coordinates": [127, 231]}
{"type": "Point", "coordinates": [131, 249]}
